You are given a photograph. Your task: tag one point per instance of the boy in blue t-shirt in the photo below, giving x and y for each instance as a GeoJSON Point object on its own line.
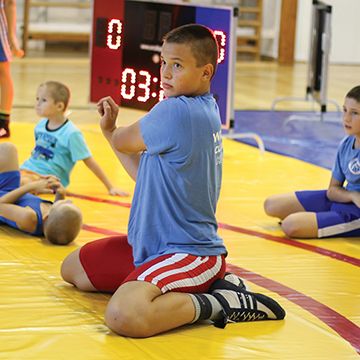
{"type": "Point", "coordinates": [169, 270]}
{"type": "Point", "coordinates": [59, 144]}
{"type": "Point", "coordinates": [335, 211]}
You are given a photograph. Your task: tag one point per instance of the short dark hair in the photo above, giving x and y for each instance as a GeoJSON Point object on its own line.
{"type": "Point", "coordinates": [354, 93]}
{"type": "Point", "coordinates": [59, 92]}
{"type": "Point", "coordinates": [201, 40]}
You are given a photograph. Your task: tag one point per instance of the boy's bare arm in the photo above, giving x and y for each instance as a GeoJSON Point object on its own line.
{"type": "Point", "coordinates": [41, 186]}
{"type": "Point", "coordinates": [337, 193]}
{"type": "Point", "coordinates": [126, 142]}
{"type": "Point", "coordinates": [10, 14]}
{"type": "Point", "coordinates": [25, 217]}
{"type": "Point", "coordinates": [94, 166]}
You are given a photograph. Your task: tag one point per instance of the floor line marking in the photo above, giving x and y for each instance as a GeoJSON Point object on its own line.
{"type": "Point", "coordinates": [333, 254]}
{"type": "Point", "coordinates": [95, 199]}
{"type": "Point", "coordinates": [339, 323]}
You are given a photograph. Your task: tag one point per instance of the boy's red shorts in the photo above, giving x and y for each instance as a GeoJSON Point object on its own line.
{"type": "Point", "coordinates": [109, 262]}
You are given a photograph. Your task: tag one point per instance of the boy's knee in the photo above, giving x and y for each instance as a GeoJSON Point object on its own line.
{"type": "Point", "coordinates": [128, 321]}
{"type": "Point", "coordinates": [8, 148]}
{"type": "Point", "coordinates": [289, 226]}
{"type": "Point", "coordinates": [269, 207]}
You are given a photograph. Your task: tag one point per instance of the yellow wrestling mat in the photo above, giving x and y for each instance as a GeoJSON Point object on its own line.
{"type": "Point", "coordinates": [316, 281]}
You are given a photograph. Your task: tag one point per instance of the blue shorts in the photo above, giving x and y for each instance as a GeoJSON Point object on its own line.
{"type": "Point", "coordinates": [9, 180]}
{"type": "Point", "coordinates": [5, 51]}
{"type": "Point", "coordinates": [334, 219]}
{"type": "Point", "coordinates": [4, 57]}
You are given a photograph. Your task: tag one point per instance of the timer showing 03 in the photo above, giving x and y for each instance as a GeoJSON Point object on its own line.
{"type": "Point", "coordinates": [129, 80]}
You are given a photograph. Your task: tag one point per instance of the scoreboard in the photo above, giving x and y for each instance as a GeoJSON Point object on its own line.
{"type": "Point", "coordinates": [126, 45]}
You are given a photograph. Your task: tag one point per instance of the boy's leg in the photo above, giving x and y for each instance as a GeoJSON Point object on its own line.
{"type": "Point", "coordinates": [100, 265]}
{"type": "Point", "coordinates": [73, 272]}
{"type": "Point", "coordinates": [9, 160]}
{"type": "Point", "coordinates": [28, 176]}
{"type": "Point", "coordinates": [7, 96]}
{"type": "Point", "coordinates": [141, 309]}
{"type": "Point", "coordinates": [302, 225]}
{"type": "Point", "coordinates": [282, 205]}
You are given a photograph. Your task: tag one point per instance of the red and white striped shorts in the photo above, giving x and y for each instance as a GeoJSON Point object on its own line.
{"type": "Point", "coordinates": [108, 263]}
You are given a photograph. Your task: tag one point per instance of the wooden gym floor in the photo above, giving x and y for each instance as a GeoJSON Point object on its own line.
{"type": "Point", "coordinates": [316, 281]}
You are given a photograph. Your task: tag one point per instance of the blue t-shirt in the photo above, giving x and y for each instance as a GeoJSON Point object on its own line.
{"type": "Point", "coordinates": [57, 151]}
{"type": "Point", "coordinates": [347, 164]}
{"type": "Point", "coordinates": [178, 181]}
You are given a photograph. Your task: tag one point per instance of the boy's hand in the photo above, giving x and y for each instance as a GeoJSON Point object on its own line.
{"type": "Point", "coordinates": [60, 191]}
{"type": "Point", "coordinates": [45, 185]}
{"type": "Point", "coordinates": [114, 191]}
{"type": "Point", "coordinates": [108, 109]}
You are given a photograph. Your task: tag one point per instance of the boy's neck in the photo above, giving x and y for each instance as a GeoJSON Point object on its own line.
{"type": "Point", "coordinates": [56, 121]}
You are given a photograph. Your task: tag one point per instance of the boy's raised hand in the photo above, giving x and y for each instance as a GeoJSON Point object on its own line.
{"type": "Point", "coordinates": [45, 185]}
{"type": "Point", "coordinates": [108, 110]}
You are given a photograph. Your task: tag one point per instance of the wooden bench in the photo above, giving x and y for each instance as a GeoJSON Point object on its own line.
{"type": "Point", "coordinates": [54, 31]}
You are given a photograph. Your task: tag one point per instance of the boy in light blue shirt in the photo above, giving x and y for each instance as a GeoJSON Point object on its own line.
{"type": "Point", "coordinates": [169, 270]}
{"type": "Point", "coordinates": [59, 144]}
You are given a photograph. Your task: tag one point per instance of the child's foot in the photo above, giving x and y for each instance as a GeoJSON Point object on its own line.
{"type": "Point", "coordinates": [242, 306]}
{"type": "Point", "coordinates": [4, 129]}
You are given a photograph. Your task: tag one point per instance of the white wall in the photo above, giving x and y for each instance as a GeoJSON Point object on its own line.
{"type": "Point", "coordinates": [345, 47]}
{"type": "Point", "coordinates": [270, 28]}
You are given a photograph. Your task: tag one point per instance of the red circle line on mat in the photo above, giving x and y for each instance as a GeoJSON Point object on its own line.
{"type": "Point", "coordinates": [286, 241]}
{"type": "Point", "coordinates": [333, 254]}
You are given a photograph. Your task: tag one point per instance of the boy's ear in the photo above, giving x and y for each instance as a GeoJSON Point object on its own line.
{"type": "Point", "coordinates": [61, 106]}
{"type": "Point", "coordinates": [208, 71]}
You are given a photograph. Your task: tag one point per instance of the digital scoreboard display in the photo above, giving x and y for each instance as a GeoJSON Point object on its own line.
{"type": "Point", "coordinates": [126, 45]}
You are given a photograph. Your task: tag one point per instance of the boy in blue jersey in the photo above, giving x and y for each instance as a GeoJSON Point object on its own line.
{"type": "Point", "coordinates": [169, 269]}
{"type": "Point", "coordinates": [60, 222]}
{"type": "Point", "coordinates": [59, 144]}
{"type": "Point", "coordinates": [335, 211]}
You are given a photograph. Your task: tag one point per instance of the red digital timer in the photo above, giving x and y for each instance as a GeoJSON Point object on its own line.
{"type": "Point", "coordinates": [126, 47]}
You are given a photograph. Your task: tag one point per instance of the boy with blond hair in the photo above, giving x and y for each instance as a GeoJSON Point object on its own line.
{"type": "Point", "coordinates": [169, 269]}
{"type": "Point", "coordinates": [59, 144]}
{"type": "Point", "coordinates": [60, 221]}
